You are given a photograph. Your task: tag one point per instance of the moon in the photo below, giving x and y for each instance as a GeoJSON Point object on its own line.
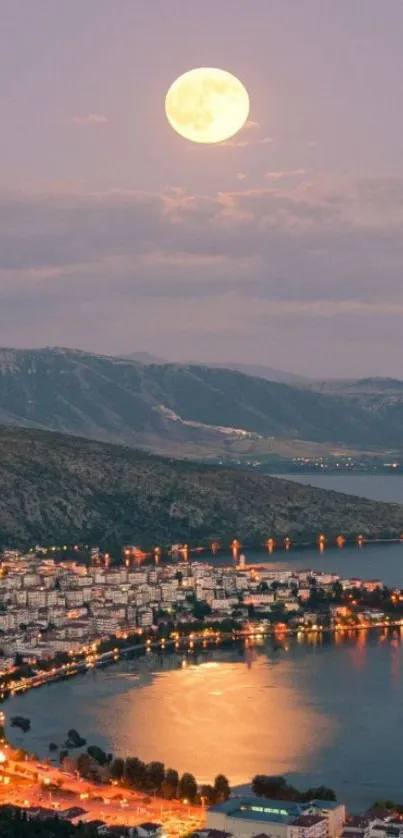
{"type": "Point", "coordinates": [207, 105]}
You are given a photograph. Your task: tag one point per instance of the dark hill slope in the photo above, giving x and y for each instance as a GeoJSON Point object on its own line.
{"type": "Point", "coordinates": [56, 488]}
{"type": "Point", "coordinates": [148, 405]}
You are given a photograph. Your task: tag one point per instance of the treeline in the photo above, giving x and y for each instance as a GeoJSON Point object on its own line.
{"type": "Point", "coordinates": [15, 824]}
{"type": "Point", "coordinates": [390, 805]}
{"type": "Point", "coordinates": [152, 778]}
{"type": "Point", "coordinates": [277, 788]}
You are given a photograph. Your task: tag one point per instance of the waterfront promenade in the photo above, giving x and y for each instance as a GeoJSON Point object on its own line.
{"type": "Point", "coordinates": [187, 644]}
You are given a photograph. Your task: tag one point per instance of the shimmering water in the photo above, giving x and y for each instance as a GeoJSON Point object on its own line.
{"type": "Point", "coordinates": [331, 712]}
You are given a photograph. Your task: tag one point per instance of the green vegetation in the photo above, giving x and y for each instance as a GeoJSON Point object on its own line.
{"type": "Point", "coordinates": [151, 778]}
{"type": "Point", "coordinates": [74, 740]}
{"type": "Point", "coordinates": [21, 722]}
{"type": "Point", "coordinates": [277, 788]}
{"type": "Point", "coordinates": [15, 824]}
{"type": "Point", "coordinates": [390, 805]}
{"type": "Point", "coordinates": [60, 489]}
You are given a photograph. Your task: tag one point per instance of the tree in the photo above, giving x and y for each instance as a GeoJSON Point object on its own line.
{"type": "Point", "coordinates": [222, 787]}
{"type": "Point", "coordinates": [74, 740]}
{"type": "Point", "coordinates": [208, 795]}
{"type": "Point", "coordinates": [187, 786]}
{"type": "Point", "coordinates": [318, 793]}
{"type": "Point", "coordinates": [170, 785]}
{"type": "Point", "coordinates": [135, 772]}
{"type": "Point", "coordinates": [84, 765]}
{"type": "Point", "coordinates": [337, 588]}
{"type": "Point", "coordinates": [97, 754]}
{"type": "Point", "coordinates": [117, 768]}
{"type": "Point", "coordinates": [155, 775]}
{"type": "Point", "coordinates": [201, 610]}
{"type": "Point", "coordinates": [275, 788]}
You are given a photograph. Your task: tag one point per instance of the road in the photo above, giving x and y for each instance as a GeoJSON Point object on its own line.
{"type": "Point", "coordinates": [24, 783]}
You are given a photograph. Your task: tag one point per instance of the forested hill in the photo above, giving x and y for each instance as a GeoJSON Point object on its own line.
{"type": "Point", "coordinates": [56, 488]}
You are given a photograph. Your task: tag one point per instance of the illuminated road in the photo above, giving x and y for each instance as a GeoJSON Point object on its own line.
{"type": "Point", "coordinates": [24, 784]}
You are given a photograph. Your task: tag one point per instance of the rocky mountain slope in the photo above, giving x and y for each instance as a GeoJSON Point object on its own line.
{"type": "Point", "coordinates": [160, 406]}
{"type": "Point", "coordinates": [56, 488]}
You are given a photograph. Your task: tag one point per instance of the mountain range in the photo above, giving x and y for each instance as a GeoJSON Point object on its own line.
{"type": "Point", "coordinates": [257, 370]}
{"type": "Point", "coordinates": [191, 410]}
{"type": "Point", "coordinates": [55, 488]}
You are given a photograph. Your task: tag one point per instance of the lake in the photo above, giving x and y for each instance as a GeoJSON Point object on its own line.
{"type": "Point", "coordinates": [320, 712]}
{"type": "Point", "coordinates": [385, 487]}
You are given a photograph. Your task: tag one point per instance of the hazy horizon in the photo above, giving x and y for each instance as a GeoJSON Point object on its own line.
{"type": "Point", "coordinates": [282, 247]}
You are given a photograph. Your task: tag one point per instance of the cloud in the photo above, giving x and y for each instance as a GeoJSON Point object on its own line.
{"type": "Point", "coordinates": [113, 262]}
{"type": "Point", "coordinates": [84, 121]}
{"type": "Point", "coordinates": [241, 176]}
{"type": "Point", "coordinates": [251, 125]}
{"type": "Point", "coordinates": [234, 143]}
{"type": "Point", "coordinates": [280, 175]}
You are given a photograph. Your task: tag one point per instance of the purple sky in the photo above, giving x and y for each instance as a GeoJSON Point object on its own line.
{"type": "Point", "coordinates": [283, 247]}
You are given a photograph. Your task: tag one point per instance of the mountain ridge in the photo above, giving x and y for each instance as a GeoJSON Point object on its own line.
{"type": "Point", "coordinates": [187, 407]}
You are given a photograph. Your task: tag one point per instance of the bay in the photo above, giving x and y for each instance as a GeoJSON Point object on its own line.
{"type": "Point", "coordinates": [318, 711]}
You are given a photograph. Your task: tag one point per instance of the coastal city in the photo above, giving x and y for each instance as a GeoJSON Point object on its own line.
{"type": "Point", "coordinates": [49, 607]}
{"type": "Point", "coordinates": [60, 618]}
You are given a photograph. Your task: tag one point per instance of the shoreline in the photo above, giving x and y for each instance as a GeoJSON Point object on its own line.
{"type": "Point", "coordinates": [188, 643]}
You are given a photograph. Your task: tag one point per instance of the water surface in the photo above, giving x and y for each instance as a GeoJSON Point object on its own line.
{"type": "Point", "coordinates": [320, 712]}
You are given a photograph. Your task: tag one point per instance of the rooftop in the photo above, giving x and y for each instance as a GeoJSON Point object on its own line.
{"type": "Point", "coordinates": [307, 820]}
{"type": "Point", "coordinates": [325, 804]}
{"type": "Point", "coordinates": [259, 809]}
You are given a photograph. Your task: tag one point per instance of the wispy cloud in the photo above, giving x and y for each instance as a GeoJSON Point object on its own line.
{"type": "Point", "coordinates": [251, 124]}
{"type": "Point", "coordinates": [280, 175]}
{"type": "Point", "coordinates": [245, 143]}
{"type": "Point", "coordinates": [88, 119]}
{"type": "Point", "coordinates": [241, 176]}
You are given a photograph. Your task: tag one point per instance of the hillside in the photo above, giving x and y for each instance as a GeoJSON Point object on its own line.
{"type": "Point", "coordinates": [256, 370]}
{"type": "Point", "coordinates": [176, 408]}
{"type": "Point", "coordinates": [259, 371]}
{"type": "Point", "coordinates": [56, 488]}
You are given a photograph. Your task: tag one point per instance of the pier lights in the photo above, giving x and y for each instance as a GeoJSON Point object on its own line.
{"type": "Point", "coordinates": [157, 554]}
{"type": "Point", "coordinates": [322, 541]}
{"type": "Point", "coordinates": [340, 541]}
{"type": "Point", "coordinates": [235, 547]}
{"type": "Point", "coordinates": [360, 540]}
{"type": "Point", "coordinates": [215, 546]}
{"type": "Point", "coordinates": [270, 545]}
{"type": "Point", "coordinates": [287, 543]}
{"type": "Point", "coordinates": [107, 559]}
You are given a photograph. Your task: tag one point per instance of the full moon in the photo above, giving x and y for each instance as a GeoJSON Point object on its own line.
{"type": "Point", "coordinates": [207, 105]}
